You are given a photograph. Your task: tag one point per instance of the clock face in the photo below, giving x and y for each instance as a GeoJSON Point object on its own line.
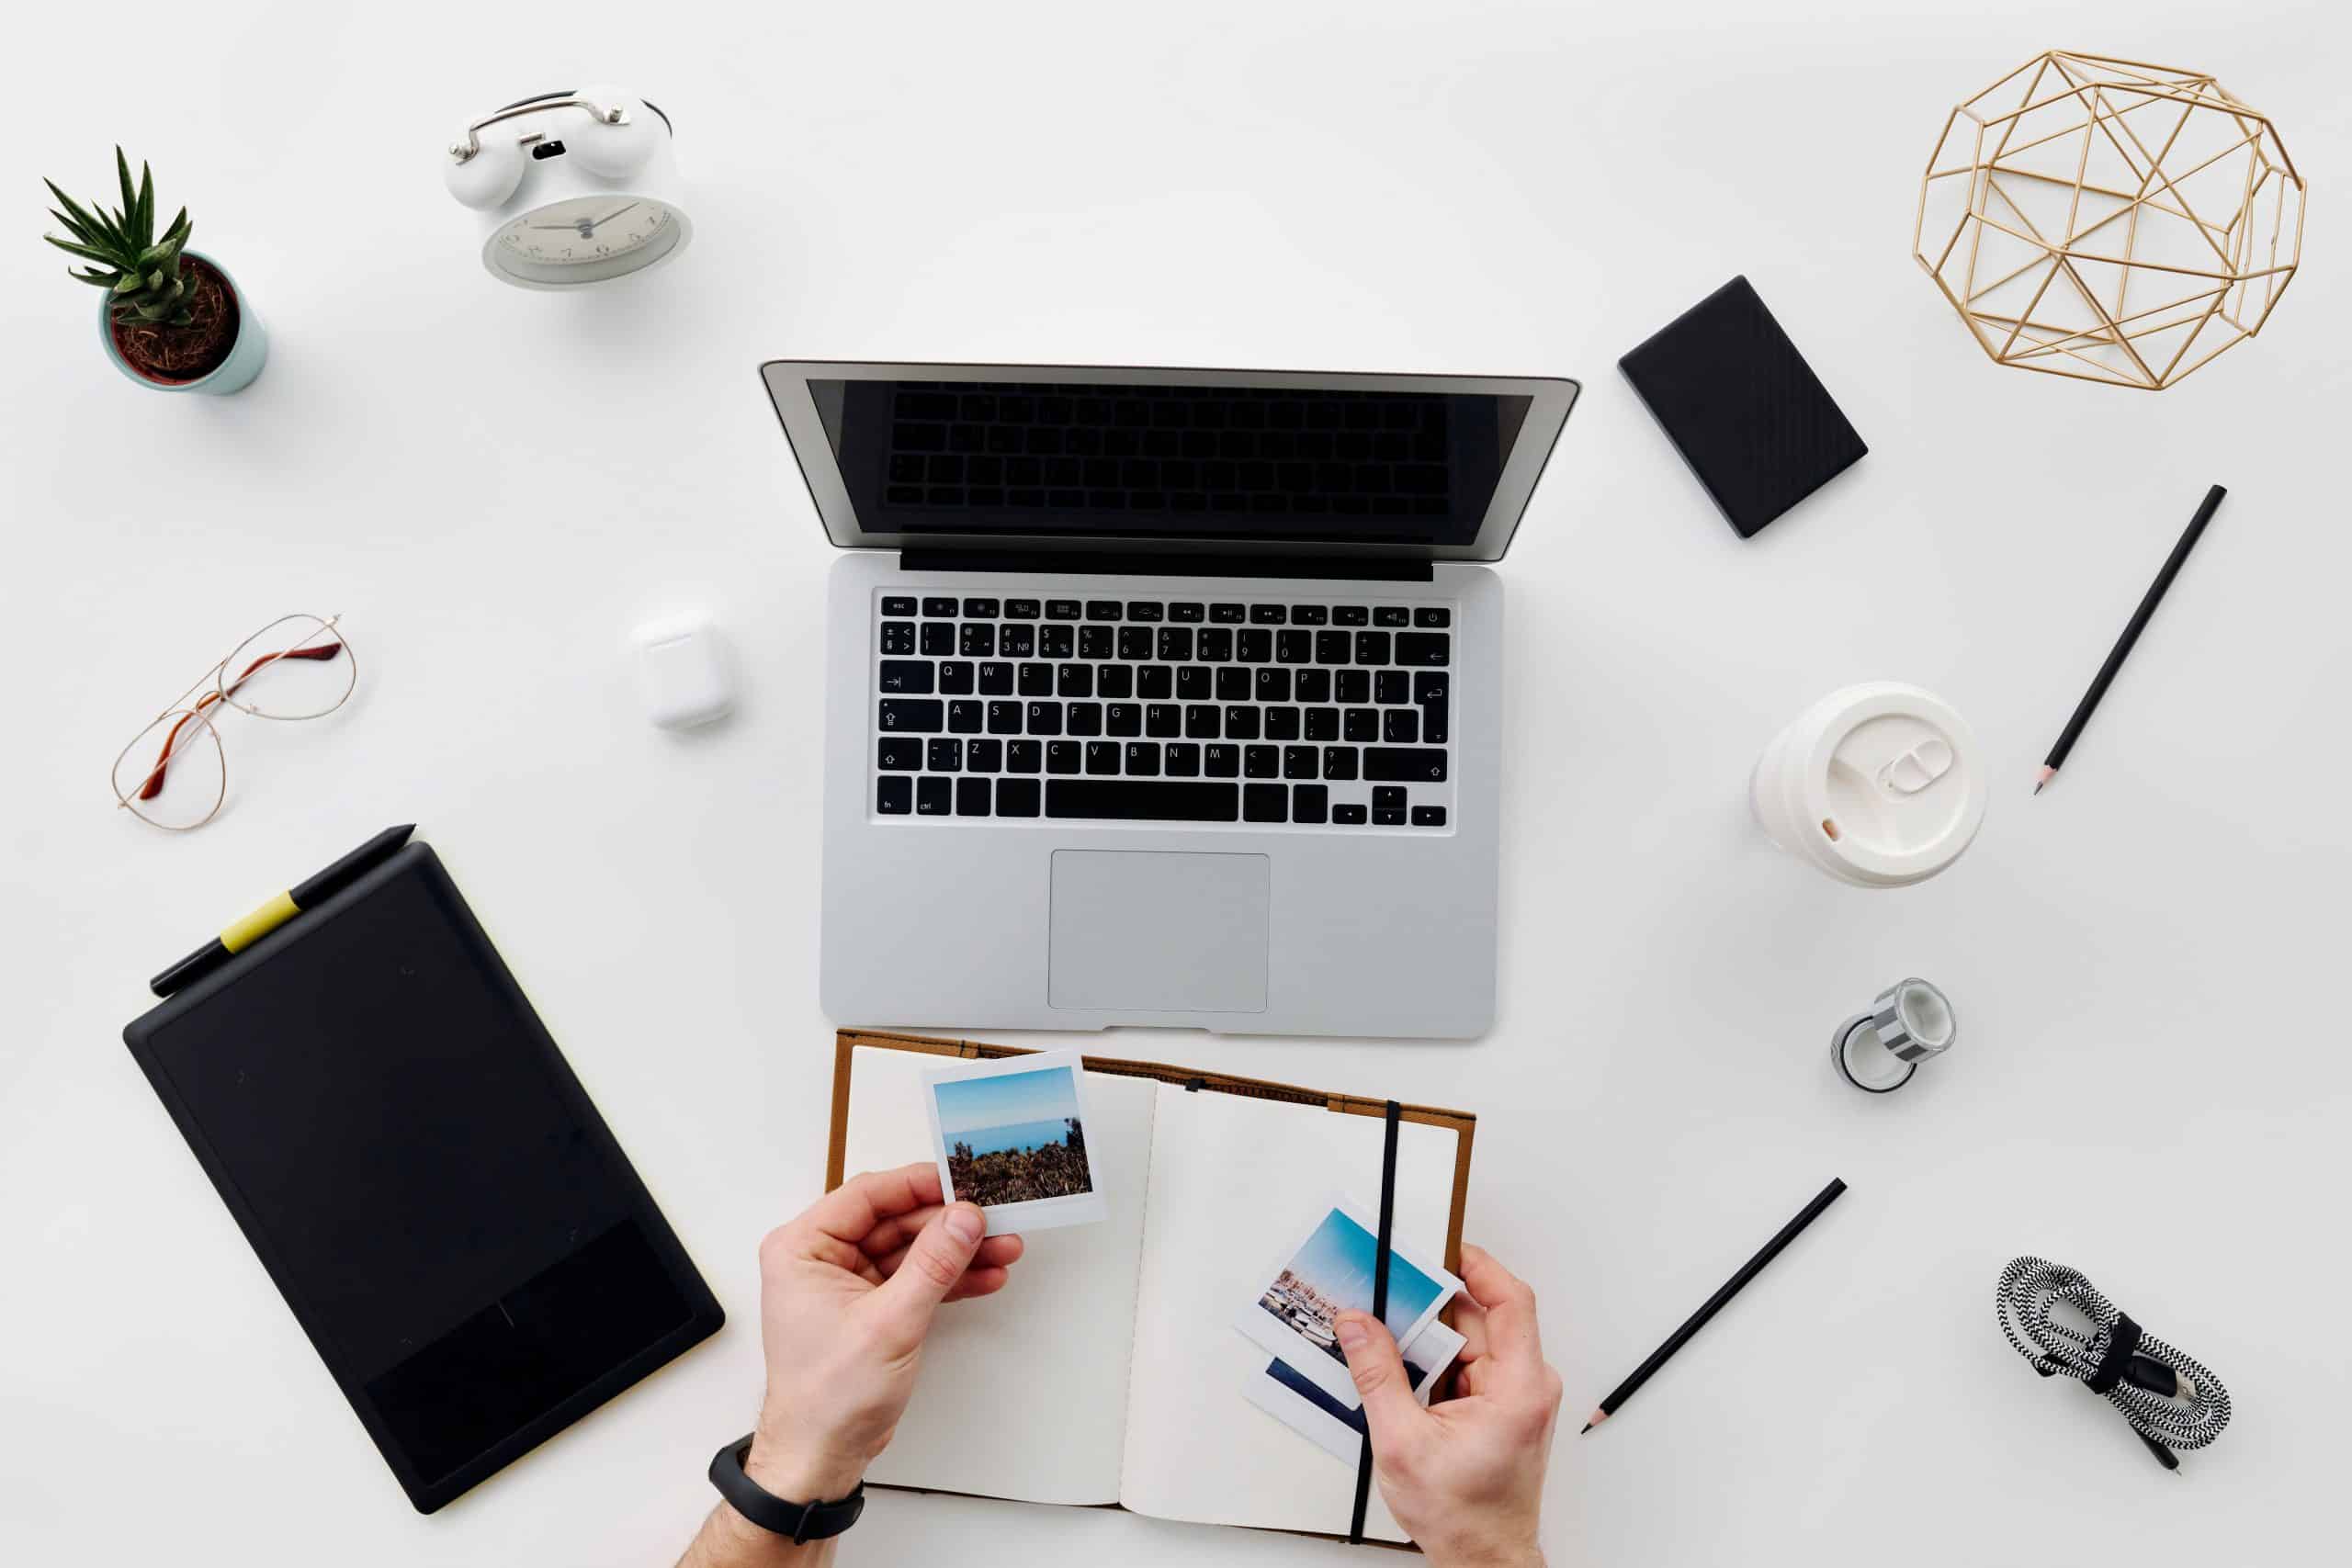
{"type": "Point", "coordinates": [586, 238]}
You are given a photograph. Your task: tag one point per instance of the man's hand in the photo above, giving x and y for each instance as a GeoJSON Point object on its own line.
{"type": "Point", "coordinates": [846, 1295]}
{"type": "Point", "coordinates": [1465, 1476]}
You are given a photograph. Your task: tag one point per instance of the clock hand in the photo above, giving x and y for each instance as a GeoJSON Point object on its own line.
{"type": "Point", "coordinates": [608, 217]}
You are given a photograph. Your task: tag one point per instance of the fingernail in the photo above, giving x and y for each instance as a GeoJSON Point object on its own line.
{"type": "Point", "coordinates": [966, 1223]}
{"type": "Point", "coordinates": [1352, 1333]}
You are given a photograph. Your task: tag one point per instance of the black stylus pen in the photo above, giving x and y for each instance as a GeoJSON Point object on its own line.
{"type": "Point", "coordinates": [241, 934]}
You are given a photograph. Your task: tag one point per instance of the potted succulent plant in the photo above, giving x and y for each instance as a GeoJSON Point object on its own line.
{"type": "Point", "coordinates": [172, 318]}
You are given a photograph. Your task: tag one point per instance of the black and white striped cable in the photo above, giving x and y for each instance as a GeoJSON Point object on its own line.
{"type": "Point", "coordinates": [2171, 1401]}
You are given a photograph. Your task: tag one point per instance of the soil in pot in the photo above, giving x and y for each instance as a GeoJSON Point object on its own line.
{"type": "Point", "coordinates": [168, 353]}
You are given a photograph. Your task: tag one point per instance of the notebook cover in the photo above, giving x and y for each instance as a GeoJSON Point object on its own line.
{"type": "Point", "coordinates": [846, 1041]}
{"type": "Point", "coordinates": [542, 1307]}
{"type": "Point", "coordinates": [1739, 402]}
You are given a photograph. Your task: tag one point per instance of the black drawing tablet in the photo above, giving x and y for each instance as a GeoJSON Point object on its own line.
{"type": "Point", "coordinates": [427, 1184]}
{"type": "Point", "coordinates": [1743, 407]}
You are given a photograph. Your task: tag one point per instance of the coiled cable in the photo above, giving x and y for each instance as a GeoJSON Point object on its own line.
{"type": "Point", "coordinates": [2171, 1401]}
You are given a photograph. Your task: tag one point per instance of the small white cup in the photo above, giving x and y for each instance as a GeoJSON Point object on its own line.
{"type": "Point", "coordinates": [1880, 785]}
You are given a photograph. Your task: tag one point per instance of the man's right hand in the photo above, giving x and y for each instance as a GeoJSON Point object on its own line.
{"type": "Point", "coordinates": [1464, 1477]}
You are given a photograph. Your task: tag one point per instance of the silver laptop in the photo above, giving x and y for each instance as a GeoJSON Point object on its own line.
{"type": "Point", "coordinates": [1163, 696]}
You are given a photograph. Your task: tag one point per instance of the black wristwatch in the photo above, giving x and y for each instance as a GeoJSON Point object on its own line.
{"type": "Point", "coordinates": [801, 1521]}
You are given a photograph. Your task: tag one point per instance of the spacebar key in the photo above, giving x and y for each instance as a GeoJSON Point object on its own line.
{"type": "Point", "coordinates": [1175, 801]}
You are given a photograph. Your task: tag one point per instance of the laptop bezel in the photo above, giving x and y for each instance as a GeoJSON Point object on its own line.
{"type": "Point", "coordinates": [1551, 398]}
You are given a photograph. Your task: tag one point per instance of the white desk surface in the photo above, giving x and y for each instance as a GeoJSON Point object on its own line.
{"type": "Point", "coordinates": [2151, 1082]}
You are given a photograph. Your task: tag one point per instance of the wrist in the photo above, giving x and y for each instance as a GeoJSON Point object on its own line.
{"type": "Point", "coordinates": [797, 1473]}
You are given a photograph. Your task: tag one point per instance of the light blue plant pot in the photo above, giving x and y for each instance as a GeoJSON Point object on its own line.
{"type": "Point", "coordinates": [245, 359]}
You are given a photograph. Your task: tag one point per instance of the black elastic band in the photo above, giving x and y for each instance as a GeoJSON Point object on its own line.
{"type": "Point", "coordinates": [1379, 1308]}
{"type": "Point", "coordinates": [2121, 1341]}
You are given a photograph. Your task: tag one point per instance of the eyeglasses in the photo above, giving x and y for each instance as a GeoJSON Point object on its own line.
{"type": "Point", "coordinates": [174, 773]}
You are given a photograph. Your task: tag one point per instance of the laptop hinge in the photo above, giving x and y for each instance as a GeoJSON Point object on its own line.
{"type": "Point", "coordinates": [1098, 563]}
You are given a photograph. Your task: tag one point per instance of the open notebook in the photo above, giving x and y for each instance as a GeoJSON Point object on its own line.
{"type": "Point", "coordinates": [1109, 1371]}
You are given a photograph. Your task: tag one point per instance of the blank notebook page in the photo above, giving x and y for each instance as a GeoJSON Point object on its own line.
{"type": "Point", "coordinates": [1235, 1182]}
{"type": "Point", "coordinates": [1022, 1395]}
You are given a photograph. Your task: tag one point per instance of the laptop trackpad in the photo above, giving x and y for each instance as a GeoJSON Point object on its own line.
{"type": "Point", "coordinates": [1142, 930]}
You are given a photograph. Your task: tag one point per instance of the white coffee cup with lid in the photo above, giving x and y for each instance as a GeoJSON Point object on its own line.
{"type": "Point", "coordinates": [1880, 785]}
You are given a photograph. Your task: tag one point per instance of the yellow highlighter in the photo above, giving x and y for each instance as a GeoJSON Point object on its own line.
{"type": "Point", "coordinates": [247, 930]}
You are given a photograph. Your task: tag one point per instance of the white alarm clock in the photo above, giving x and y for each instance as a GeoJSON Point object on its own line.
{"type": "Point", "coordinates": [574, 187]}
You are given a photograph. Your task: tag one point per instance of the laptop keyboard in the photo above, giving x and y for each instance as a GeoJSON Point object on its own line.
{"type": "Point", "coordinates": [1317, 714]}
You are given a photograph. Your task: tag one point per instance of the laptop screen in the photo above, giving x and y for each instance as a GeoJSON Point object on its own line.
{"type": "Point", "coordinates": [927, 458]}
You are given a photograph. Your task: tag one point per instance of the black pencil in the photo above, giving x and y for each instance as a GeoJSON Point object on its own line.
{"type": "Point", "coordinates": [2122, 650]}
{"type": "Point", "coordinates": [1714, 1303]}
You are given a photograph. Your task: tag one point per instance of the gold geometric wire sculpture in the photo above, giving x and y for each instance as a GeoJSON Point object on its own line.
{"type": "Point", "coordinates": [2070, 204]}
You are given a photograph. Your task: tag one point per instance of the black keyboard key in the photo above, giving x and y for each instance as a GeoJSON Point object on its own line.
{"type": "Point", "coordinates": [938, 638]}
{"type": "Point", "coordinates": [946, 756]}
{"type": "Point", "coordinates": [1004, 718]}
{"type": "Point", "coordinates": [984, 756]}
{"type": "Point", "coordinates": [1312, 686]}
{"type": "Point", "coordinates": [1019, 610]}
{"type": "Point", "coordinates": [1301, 762]}
{"type": "Point", "coordinates": [1102, 610]}
{"type": "Point", "coordinates": [1389, 796]}
{"type": "Point", "coordinates": [1142, 801]}
{"type": "Point", "coordinates": [1241, 724]}
{"type": "Point", "coordinates": [1274, 685]}
{"type": "Point", "coordinates": [1362, 724]}
{"type": "Point", "coordinates": [979, 641]}
{"type": "Point", "coordinates": [1063, 756]}
{"type": "Point", "coordinates": [939, 608]}
{"type": "Point", "coordinates": [1145, 610]}
{"type": "Point", "coordinates": [1332, 647]}
{"type": "Point", "coordinates": [1401, 727]}
{"type": "Point", "coordinates": [1096, 642]}
{"type": "Point", "coordinates": [1143, 759]}
{"type": "Point", "coordinates": [1201, 723]}
{"type": "Point", "coordinates": [905, 678]}
{"type": "Point", "coordinates": [1372, 648]}
{"type": "Point", "coordinates": [1322, 724]}
{"type": "Point", "coordinates": [1431, 689]}
{"type": "Point", "coordinates": [935, 796]}
{"type": "Point", "coordinates": [1433, 615]}
{"type": "Point", "coordinates": [1186, 612]}
{"type": "Point", "coordinates": [1423, 647]}
{"type": "Point", "coordinates": [1310, 802]}
{"type": "Point", "coordinates": [996, 680]}
{"type": "Point", "coordinates": [1036, 679]}
{"type": "Point", "coordinates": [1221, 762]}
{"type": "Point", "coordinates": [1392, 686]}
{"type": "Point", "coordinates": [1265, 803]}
{"type": "Point", "coordinates": [1076, 680]}
{"type": "Point", "coordinates": [1392, 615]}
{"type": "Point", "coordinates": [1135, 642]}
{"type": "Point", "coordinates": [1058, 642]}
{"type": "Point", "coordinates": [1282, 724]}
{"type": "Point", "coordinates": [1045, 718]}
{"type": "Point", "coordinates": [1193, 683]}
{"type": "Point", "coordinates": [1022, 757]}
{"type": "Point", "coordinates": [1175, 645]}
{"type": "Point", "coordinates": [1428, 817]}
{"type": "Point", "coordinates": [1255, 646]}
{"type": "Point", "coordinates": [1262, 762]}
{"type": "Point", "coordinates": [1388, 817]}
{"type": "Point", "coordinates": [1163, 720]}
{"type": "Point", "coordinates": [1214, 645]}
{"type": "Point", "coordinates": [894, 797]}
{"type": "Point", "coordinates": [898, 604]}
{"type": "Point", "coordinates": [1309, 614]}
{"type": "Point", "coordinates": [898, 754]}
{"type": "Point", "coordinates": [1351, 687]}
{"type": "Point", "coordinates": [917, 716]}
{"type": "Point", "coordinates": [1061, 609]}
{"type": "Point", "coordinates": [1351, 615]}
{"type": "Point", "coordinates": [1017, 642]}
{"type": "Point", "coordinates": [980, 609]}
{"type": "Point", "coordinates": [1016, 797]}
{"type": "Point", "coordinates": [1233, 684]}
{"type": "Point", "coordinates": [1228, 615]}
{"type": "Point", "coordinates": [1155, 682]}
{"type": "Point", "coordinates": [972, 797]}
{"type": "Point", "coordinates": [1184, 760]}
{"type": "Point", "coordinates": [955, 678]}
{"type": "Point", "coordinates": [1339, 763]}
{"type": "Point", "coordinates": [1082, 718]}
{"type": "Point", "coordinates": [1269, 614]}
{"type": "Point", "coordinates": [1418, 764]}
{"type": "Point", "coordinates": [1348, 815]}
{"type": "Point", "coordinates": [1114, 680]}
{"type": "Point", "coordinates": [1102, 757]}
{"type": "Point", "coordinates": [1122, 719]}
{"type": "Point", "coordinates": [898, 636]}
{"type": "Point", "coordinates": [964, 719]}
{"type": "Point", "coordinates": [1293, 647]}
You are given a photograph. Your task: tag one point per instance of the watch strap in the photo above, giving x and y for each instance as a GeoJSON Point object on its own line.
{"type": "Point", "coordinates": [800, 1522]}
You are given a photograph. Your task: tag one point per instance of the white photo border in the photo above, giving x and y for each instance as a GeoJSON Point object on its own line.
{"type": "Point", "coordinates": [1041, 1213]}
